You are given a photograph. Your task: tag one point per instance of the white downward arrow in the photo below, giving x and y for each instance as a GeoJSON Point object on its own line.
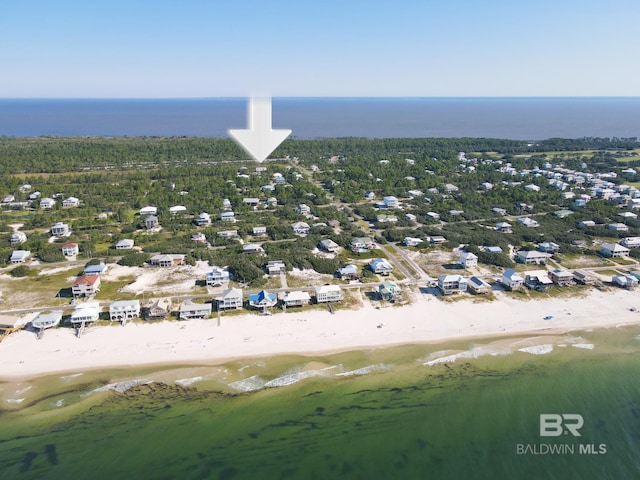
{"type": "Point", "coordinates": [259, 140]}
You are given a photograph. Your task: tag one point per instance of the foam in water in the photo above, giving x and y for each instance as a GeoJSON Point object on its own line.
{"type": "Point", "coordinates": [585, 346]}
{"type": "Point", "coordinates": [379, 367]}
{"type": "Point", "coordinates": [538, 349]}
{"type": "Point", "coordinates": [119, 387]}
{"type": "Point", "coordinates": [185, 382]}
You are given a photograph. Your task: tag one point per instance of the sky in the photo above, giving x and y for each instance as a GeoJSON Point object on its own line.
{"type": "Point", "coordinates": [288, 48]}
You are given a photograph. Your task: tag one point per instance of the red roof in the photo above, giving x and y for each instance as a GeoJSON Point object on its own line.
{"type": "Point", "coordinates": [86, 280]}
{"type": "Point", "coordinates": [69, 245]}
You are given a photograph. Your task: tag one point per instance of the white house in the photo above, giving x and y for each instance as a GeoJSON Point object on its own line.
{"type": "Point", "coordinates": [390, 202]}
{"type": "Point", "coordinates": [613, 250]}
{"type": "Point", "coordinates": [449, 284]}
{"type": "Point", "coordinates": [167, 260]}
{"type": "Point", "coordinates": [148, 210]}
{"type": "Point", "coordinates": [124, 244]}
{"type": "Point", "coordinates": [296, 298]}
{"type": "Point", "coordinates": [86, 285]}
{"type": "Point", "coordinates": [503, 227]}
{"type": "Point", "coordinates": [625, 281]}
{"type": "Point", "coordinates": [151, 222]}
{"type": "Point", "coordinates": [203, 220]}
{"type": "Point", "coordinates": [380, 266]}
{"type": "Point", "coordinates": [251, 248]}
{"type": "Point", "coordinates": [412, 241]}
{"type": "Point", "coordinates": [528, 222]}
{"type": "Point", "coordinates": [177, 209]}
{"type": "Point", "coordinates": [228, 233]}
{"type": "Point", "coordinates": [303, 209]}
{"type": "Point", "coordinates": [60, 229]}
{"type": "Point", "coordinates": [362, 244]}
{"type": "Point", "coordinates": [47, 203]}
{"type": "Point", "coordinates": [329, 245]}
{"type": "Point", "coordinates": [71, 202]}
{"type": "Point", "coordinates": [70, 249]}
{"type": "Point", "coordinates": [228, 216]}
{"type": "Point", "coordinates": [276, 267]}
{"type": "Point", "coordinates": [532, 257]}
{"type": "Point", "coordinates": [630, 242]}
{"type": "Point", "coordinates": [190, 310]}
{"type": "Point", "coordinates": [17, 238]}
{"type": "Point", "coordinates": [618, 227]}
{"type": "Point", "coordinates": [85, 313]}
{"type": "Point", "coordinates": [20, 256]}
{"type": "Point", "coordinates": [300, 228]}
{"type": "Point", "coordinates": [231, 299]}
{"type": "Point", "coordinates": [328, 293]}
{"type": "Point", "coordinates": [511, 279]}
{"type": "Point", "coordinates": [259, 231]}
{"type": "Point", "coordinates": [468, 259]}
{"type": "Point", "coordinates": [217, 276]}
{"type": "Point", "coordinates": [124, 310]}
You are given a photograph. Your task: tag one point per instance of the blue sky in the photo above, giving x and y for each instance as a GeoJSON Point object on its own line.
{"type": "Point", "coordinates": [210, 48]}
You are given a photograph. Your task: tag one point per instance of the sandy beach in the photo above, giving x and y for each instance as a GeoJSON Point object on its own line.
{"type": "Point", "coordinates": [427, 320]}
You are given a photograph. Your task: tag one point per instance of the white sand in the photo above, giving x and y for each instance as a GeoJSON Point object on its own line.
{"type": "Point", "coordinates": [428, 320]}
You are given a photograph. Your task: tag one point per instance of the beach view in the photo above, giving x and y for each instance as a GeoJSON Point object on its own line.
{"type": "Point", "coordinates": [319, 241]}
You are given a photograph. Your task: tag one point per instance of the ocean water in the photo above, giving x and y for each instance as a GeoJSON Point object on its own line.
{"type": "Point", "coordinates": [534, 118]}
{"type": "Point", "coordinates": [395, 414]}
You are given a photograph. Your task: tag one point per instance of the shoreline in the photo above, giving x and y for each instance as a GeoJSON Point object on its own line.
{"type": "Point", "coordinates": [306, 333]}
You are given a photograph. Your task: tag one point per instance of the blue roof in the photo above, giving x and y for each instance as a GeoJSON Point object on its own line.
{"type": "Point", "coordinates": [95, 268]}
{"type": "Point", "coordinates": [262, 295]}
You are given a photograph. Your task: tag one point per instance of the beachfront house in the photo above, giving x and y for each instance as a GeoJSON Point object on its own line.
{"type": "Point", "coordinates": [389, 291]}
{"type": "Point", "coordinates": [151, 222]}
{"type": "Point", "coordinates": [263, 300]}
{"type": "Point", "coordinates": [583, 278]}
{"type": "Point", "coordinates": [192, 311]}
{"type": "Point", "coordinates": [125, 244]}
{"type": "Point", "coordinates": [231, 299]}
{"type": "Point", "coordinates": [17, 238]}
{"type": "Point", "coordinates": [468, 260]}
{"type": "Point", "coordinates": [350, 272]}
{"type": "Point", "coordinates": [70, 249]}
{"type": "Point", "coordinates": [158, 309]}
{"type": "Point", "coordinates": [614, 250]}
{"type": "Point", "coordinates": [203, 220]}
{"type": "Point", "coordinates": [276, 267]}
{"type": "Point", "coordinates": [296, 299]}
{"type": "Point", "coordinates": [625, 281]}
{"type": "Point", "coordinates": [478, 286]}
{"type": "Point", "coordinates": [450, 284]}
{"type": "Point", "coordinates": [20, 256]}
{"type": "Point", "coordinates": [529, 257]}
{"type": "Point", "coordinates": [60, 229]}
{"type": "Point", "coordinates": [537, 280]}
{"type": "Point", "coordinates": [167, 260]}
{"type": "Point", "coordinates": [217, 276]}
{"type": "Point", "coordinates": [562, 278]}
{"type": "Point", "coordinates": [300, 228]}
{"type": "Point", "coordinates": [124, 310]}
{"type": "Point", "coordinates": [380, 266]}
{"type": "Point", "coordinates": [83, 314]}
{"type": "Point", "coordinates": [512, 280]}
{"type": "Point", "coordinates": [85, 286]}
{"type": "Point", "coordinates": [328, 245]}
{"type": "Point", "coordinates": [328, 293]}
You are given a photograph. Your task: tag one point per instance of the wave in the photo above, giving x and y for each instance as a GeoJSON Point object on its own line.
{"type": "Point", "coordinates": [538, 349]}
{"type": "Point", "coordinates": [185, 382]}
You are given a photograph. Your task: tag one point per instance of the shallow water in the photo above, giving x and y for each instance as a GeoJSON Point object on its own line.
{"type": "Point", "coordinates": [392, 417]}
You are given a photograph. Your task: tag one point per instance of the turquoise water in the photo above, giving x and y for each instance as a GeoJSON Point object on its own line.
{"type": "Point", "coordinates": [404, 419]}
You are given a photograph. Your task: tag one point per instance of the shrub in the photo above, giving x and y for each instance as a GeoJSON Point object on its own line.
{"type": "Point", "coordinates": [20, 271]}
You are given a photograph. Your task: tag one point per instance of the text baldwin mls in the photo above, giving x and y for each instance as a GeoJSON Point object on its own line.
{"type": "Point", "coordinates": [555, 425]}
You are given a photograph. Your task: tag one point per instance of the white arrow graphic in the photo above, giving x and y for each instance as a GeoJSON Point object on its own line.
{"type": "Point", "coordinates": [259, 140]}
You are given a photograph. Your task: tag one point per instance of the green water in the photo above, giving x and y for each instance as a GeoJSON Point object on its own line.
{"type": "Point", "coordinates": [459, 420]}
